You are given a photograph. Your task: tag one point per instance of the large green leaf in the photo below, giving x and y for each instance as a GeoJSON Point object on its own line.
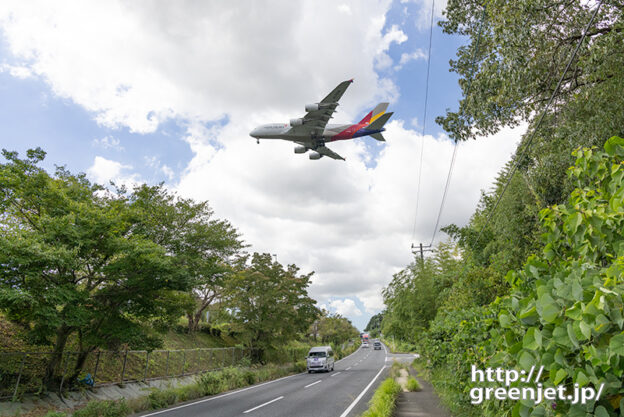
{"type": "Point", "coordinates": [547, 308]}
{"type": "Point", "coordinates": [616, 344]}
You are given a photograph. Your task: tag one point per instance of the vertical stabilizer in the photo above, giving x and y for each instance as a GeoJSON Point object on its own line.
{"type": "Point", "coordinates": [374, 114]}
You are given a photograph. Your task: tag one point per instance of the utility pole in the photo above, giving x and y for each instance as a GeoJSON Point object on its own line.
{"type": "Point", "coordinates": [422, 250]}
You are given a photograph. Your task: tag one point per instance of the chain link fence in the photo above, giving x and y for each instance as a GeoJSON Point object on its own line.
{"type": "Point", "coordinates": [24, 372]}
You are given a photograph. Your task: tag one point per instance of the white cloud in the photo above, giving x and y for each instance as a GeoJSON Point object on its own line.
{"type": "Point", "coordinates": [108, 142]}
{"type": "Point", "coordinates": [405, 58]}
{"type": "Point", "coordinates": [135, 65]}
{"type": "Point", "coordinates": [17, 71]}
{"type": "Point", "coordinates": [392, 35]}
{"type": "Point", "coordinates": [345, 307]}
{"type": "Point", "coordinates": [105, 170]}
{"type": "Point", "coordinates": [344, 8]}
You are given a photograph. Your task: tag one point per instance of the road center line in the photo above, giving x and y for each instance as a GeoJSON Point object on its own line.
{"type": "Point", "coordinates": [348, 368]}
{"type": "Point", "coordinates": [262, 405]}
{"type": "Point", "coordinates": [359, 397]}
{"type": "Point", "coordinates": [334, 374]}
{"type": "Point", "coordinates": [314, 383]}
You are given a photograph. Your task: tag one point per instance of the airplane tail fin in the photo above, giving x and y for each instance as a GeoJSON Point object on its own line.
{"type": "Point", "coordinates": [379, 123]}
{"type": "Point", "coordinates": [374, 114]}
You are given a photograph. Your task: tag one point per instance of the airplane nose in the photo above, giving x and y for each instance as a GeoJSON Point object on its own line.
{"type": "Point", "coordinates": [254, 133]}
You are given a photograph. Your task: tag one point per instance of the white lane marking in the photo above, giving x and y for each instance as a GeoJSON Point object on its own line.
{"type": "Point", "coordinates": [262, 405]}
{"type": "Point", "coordinates": [166, 410]}
{"type": "Point", "coordinates": [359, 397]}
{"type": "Point", "coordinates": [356, 351]}
{"type": "Point", "coordinates": [234, 392]}
{"type": "Point", "coordinates": [314, 383]}
{"type": "Point", "coordinates": [348, 368]}
{"type": "Point", "coordinates": [356, 364]}
{"type": "Point", "coordinates": [336, 374]}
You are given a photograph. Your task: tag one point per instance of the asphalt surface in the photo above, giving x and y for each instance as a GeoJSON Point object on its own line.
{"type": "Point", "coordinates": [341, 393]}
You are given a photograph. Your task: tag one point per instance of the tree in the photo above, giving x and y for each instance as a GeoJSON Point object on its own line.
{"type": "Point", "coordinates": [333, 328]}
{"type": "Point", "coordinates": [202, 248]}
{"type": "Point", "coordinates": [71, 264]}
{"type": "Point", "coordinates": [374, 325]}
{"type": "Point", "coordinates": [269, 304]}
{"type": "Point", "coordinates": [522, 51]}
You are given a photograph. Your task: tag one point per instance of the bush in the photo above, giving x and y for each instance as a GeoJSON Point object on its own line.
{"type": "Point", "coordinates": [211, 383]}
{"type": "Point", "coordinates": [103, 409]}
{"type": "Point", "coordinates": [162, 398]}
{"type": "Point", "coordinates": [55, 414]}
{"type": "Point", "coordinates": [384, 400]}
{"type": "Point", "coordinates": [300, 366]}
{"type": "Point", "coordinates": [413, 384]}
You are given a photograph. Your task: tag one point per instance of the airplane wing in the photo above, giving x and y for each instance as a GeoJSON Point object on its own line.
{"type": "Point", "coordinates": [316, 120]}
{"type": "Point", "coordinates": [324, 150]}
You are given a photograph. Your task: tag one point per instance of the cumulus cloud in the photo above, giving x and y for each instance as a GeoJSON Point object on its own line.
{"type": "Point", "coordinates": [136, 65]}
{"type": "Point", "coordinates": [345, 307]}
{"type": "Point", "coordinates": [103, 170]}
{"type": "Point", "coordinates": [220, 70]}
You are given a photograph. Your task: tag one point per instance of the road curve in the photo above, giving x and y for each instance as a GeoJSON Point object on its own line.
{"type": "Point", "coordinates": [341, 393]}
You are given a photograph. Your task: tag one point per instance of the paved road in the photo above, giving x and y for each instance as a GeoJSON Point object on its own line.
{"type": "Point", "coordinates": [341, 393]}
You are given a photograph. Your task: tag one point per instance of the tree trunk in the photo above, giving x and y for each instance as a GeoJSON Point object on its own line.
{"type": "Point", "coordinates": [80, 361]}
{"type": "Point", "coordinates": [62, 334]}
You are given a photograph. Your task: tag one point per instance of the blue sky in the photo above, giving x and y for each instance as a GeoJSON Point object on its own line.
{"type": "Point", "coordinates": [171, 94]}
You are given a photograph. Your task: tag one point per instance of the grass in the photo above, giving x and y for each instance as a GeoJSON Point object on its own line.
{"type": "Point", "coordinates": [413, 384]}
{"type": "Point", "coordinates": [384, 400]}
{"type": "Point", "coordinates": [209, 383]}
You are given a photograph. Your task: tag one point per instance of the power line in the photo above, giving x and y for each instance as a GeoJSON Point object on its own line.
{"type": "Point", "coordinates": [468, 87]}
{"type": "Point", "coordinates": [424, 121]}
{"type": "Point", "coordinates": [539, 122]}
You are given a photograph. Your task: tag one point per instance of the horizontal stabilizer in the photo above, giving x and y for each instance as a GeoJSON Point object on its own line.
{"type": "Point", "coordinates": [380, 122]}
{"type": "Point", "coordinates": [378, 136]}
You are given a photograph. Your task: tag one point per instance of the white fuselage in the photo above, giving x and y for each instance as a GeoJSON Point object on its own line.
{"type": "Point", "coordinates": [285, 131]}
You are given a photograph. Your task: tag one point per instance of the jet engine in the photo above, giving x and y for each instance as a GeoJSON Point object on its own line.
{"type": "Point", "coordinates": [296, 122]}
{"type": "Point", "coordinates": [300, 149]}
{"type": "Point", "coordinates": [314, 155]}
{"type": "Point", "coordinates": [312, 107]}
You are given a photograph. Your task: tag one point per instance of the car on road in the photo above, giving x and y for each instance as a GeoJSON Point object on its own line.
{"type": "Point", "coordinates": [320, 358]}
{"type": "Point", "coordinates": [365, 344]}
{"type": "Point", "coordinates": [377, 345]}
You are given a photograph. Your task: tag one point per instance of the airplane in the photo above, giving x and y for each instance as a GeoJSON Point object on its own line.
{"type": "Point", "coordinates": [311, 132]}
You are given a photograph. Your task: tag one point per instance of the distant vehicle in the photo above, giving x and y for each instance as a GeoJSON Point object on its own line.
{"type": "Point", "coordinates": [311, 131]}
{"type": "Point", "coordinates": [365, 345]}
{"type": "Point", "coordinates": [377, 345]}
{"type": "Point", "coordinates": [320, 358]}
{"type": "Point", "coordinates": [365, 337]}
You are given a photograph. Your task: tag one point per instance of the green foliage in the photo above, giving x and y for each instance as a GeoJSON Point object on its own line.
{"type": "Point", "coordinates": [103, 409]}
{"type": "Point", "coordinates": [413, 384]}
{"type": "Point", "coordinates": [270, 305]}
{"type": "Point", "coordinates": [203, 248]}
{"type": "Point", "coordinates": [162, 398]}
{"type": "Point", "coordinates": [522, 52]}
{"type": "Point", "coordinates": [72, 262]}
{"type": "Point", "coordinates": [414, 295]}
{"type": "Point", "coordinates": [332, 329]}
{"type": "Point", "coordinates": [374, 325]}
{"type": "Point", "coordinates": [55, 414]}
{"type": "Point", "coordinates": [565, 312]}
{"type": "Point", "coordinates": [384, 400]}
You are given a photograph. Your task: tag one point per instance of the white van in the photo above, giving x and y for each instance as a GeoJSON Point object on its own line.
{"type": "Point", "coordinates": [320, 358]}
